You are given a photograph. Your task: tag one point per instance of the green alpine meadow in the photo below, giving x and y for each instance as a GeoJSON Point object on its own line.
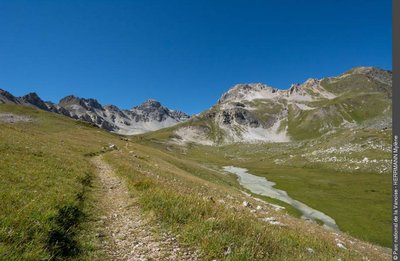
{"type": "Point", "coordinates": [264, 174]}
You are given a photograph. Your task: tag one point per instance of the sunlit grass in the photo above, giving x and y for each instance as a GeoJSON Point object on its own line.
{"type": "Point", "coordinates": [47, 199]}
{"type": "Point", "coordinates": [180, 201]}
{"type": "Point", "coordinates": [45, 178]}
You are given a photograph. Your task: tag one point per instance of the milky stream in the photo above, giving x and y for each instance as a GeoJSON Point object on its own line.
{"type": "Point", "coordinates": [261, 186]}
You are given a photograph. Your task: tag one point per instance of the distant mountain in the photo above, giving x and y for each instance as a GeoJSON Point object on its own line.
{"type": "Point", "coordinates": [8, 98]}
{"type": "Point", "coordinates": [149, 116]}
{"type": "Point", "coordinates": [358, 98]}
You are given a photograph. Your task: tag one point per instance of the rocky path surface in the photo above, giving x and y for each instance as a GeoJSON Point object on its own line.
{"type": "Point", "coordinates": [124, 233]}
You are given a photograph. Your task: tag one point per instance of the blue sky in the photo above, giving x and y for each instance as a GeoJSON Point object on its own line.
{"type": "Point", "coordinates": [183, 53]}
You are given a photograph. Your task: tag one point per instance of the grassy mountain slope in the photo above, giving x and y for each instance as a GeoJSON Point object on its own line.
{"type": "Point", "coordinates": [45, 179]}
{"type": "Point", "coordinates": [343, 174]}
{"type": "Point", "coordinates": [46, 196]}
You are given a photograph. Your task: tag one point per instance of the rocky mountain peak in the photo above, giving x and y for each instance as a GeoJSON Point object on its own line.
{"type": "Point", "coordinates": [298, 87]}
{"type": "Point", "coordinates": [150, 103]}
{"type": "Point", "coordinates": [249, 87]}
{"type": "Point", "coordinates": [32, 96]}
{"type": "Point", "coordinates": [6, 97]}
{"type": "Point", "coordinates": [152, 110]}
{"type": "Point", "coordinates": [69, 100]}
{"type": "Point", "coordinates": [111, 107]}
{"type": "Point", "coordinates": [248, 91]}
{"type": "Point", "coordinates": [88, 104]}
{"type": "Point", "coordinates": [311, 82]}
{"type": "Point", "coordinates": [34, 99]}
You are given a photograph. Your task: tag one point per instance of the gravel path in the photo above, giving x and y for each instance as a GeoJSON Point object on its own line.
{"type": "Point", "coordinates": [125, 233]}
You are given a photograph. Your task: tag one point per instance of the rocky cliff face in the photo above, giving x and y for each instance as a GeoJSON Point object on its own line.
{"type": "Point", "coordinates": [260, 113]}
{"type": "Point", "coordinates": [34, 100]}
{"type": "Point", "coordinates": [149, 116]}
{"type": "Point", "coordinates": [8, 98]}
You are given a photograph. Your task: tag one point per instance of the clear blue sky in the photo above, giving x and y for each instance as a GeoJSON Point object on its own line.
{"type": "Point", "coordinates": [183, 53]}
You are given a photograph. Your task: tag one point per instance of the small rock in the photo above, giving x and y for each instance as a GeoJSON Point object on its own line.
{"type": "Point", "coordinates": [228, 251]}
{"type": "Point", "coordinates": [246, 204]}
{"type": "Point", "coordinates": [209, 199]}
{"type": "Point", "coordinates": [273, 221]}
{"type": "Point", "coordinates": [113, 147]}
{"type": "Point", "coordinates": [310, 250]}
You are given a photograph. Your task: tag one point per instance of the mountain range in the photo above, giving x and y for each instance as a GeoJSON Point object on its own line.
{"type": "Point", "coordinates": [148, 116]}
{"type": "Point", "coordinates": [360, 97]}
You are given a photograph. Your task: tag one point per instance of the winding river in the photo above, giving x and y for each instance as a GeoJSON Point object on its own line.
{"type": "Point", "coordinates": [261, 186]}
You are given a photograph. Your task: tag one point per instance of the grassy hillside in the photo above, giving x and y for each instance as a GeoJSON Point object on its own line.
{"type": "Point", "coordinates": [357, 196]}
{"type": "Point", "coordinates": [204, 207]}
{"type": "Point", "coordinates": [48, 203]}
{"type": "Point", "coordinates": [46, 176]}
